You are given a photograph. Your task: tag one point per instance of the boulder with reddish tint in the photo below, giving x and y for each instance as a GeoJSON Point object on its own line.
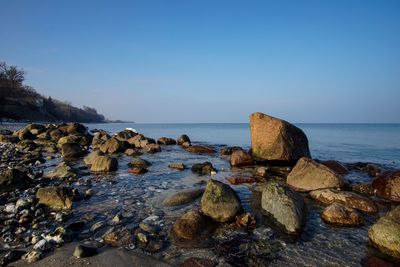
{"type": "Point", "coordinates": [240, 158]}
{"type": "Point", "coordinates": [310, 175]}
{"type": "Point", "coordinates": [152, 148]}
{"type": "Point", "coordinates": [349, 199]}
{"type": "Point", "coordinates": [387, 185]}
{"type": "Point", "coordinates": [177, 166]}
{"type": "Point", "coordinates": [273, 139]}
{"type": "Point", "coordinates": [200, 149]}
{"type": "Point", "coordinates": [190, 225]}
{"type": "Point", "coordinates": [339, 214]}
{"type": "Point", "coordinates": [235, 180]}
{"type": "Point", "coordinates": [137, 170]}
{"type": "Point", "coordinates": [336, 166]}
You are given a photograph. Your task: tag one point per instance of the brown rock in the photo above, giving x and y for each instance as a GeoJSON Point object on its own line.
{"type": "Point", "coordinates": [241, 158]}
{"type": "Point", "coordinates": [189, 226]}
{"type": "Point", "coordinates": [118, 238]}
{"type": "Point", "coordinates": [183, 197]}
{"type": "Point", "coordinates": [387, 185]}
{"type": "Point", "coordinates": [132, 152]}
{"type": "Point", "coordinates": [112, 145]}
{"type": "Point", "coordinates": [183, 139]}
{"type": "Point", "coordinates": [177, 166]}
{"type": "Point", "coordinates": [104, 164]}
{"type": "Point", "coordinates": [372, 261]}
{"type": "Point", "coordinates": [137, 170]}
{"type": "Point", "coordinates": [226, 151]}
{"type": "Point", "coordinates": [339, 214]}
{"type": "Point", "coordinates": [246, 221]}
{"type": "Point", "coordinates": [235, 180]}
{"type": "Point", "coordinates": [152, 148]}
{"type": "Point", "coordinates": [349, 199]}
{"type": "Point", "coordinates": [336, 166]}
{"type": "Point", "coordinates": [55, 197]}
{"type": "Point", "coordinates": [276, 140]}
{"type": "Point", "coordinates": [200, 150]}
{"type": "Point", "coordinates": [166, 141]}
{"type": "Point", "coordinates": [74, 128]}
{"type": "Point", "coordinates": [71, 151]}
{"type": "Point", "coordinates": [309, 175]}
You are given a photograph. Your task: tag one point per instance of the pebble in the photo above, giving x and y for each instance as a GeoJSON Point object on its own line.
{"type": "Point", "coordinates": [10, 208]}
{"type": "Point", "coordinates": [42, 245]}
{"type": "Point", "coordinates": [32, 256]}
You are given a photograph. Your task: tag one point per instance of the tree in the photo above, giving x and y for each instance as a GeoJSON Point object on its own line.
{"type": "Point", "coordinates": [11, 75]}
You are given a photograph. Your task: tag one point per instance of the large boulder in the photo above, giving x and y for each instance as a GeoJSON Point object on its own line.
{"type": "Point", "coordinates": [339, 214]}
{"type": "Point", "coordinates": [11, 179]}
{"type": "Point", "coordinates": [112, 146]}
{"type": "Point", "coordinates": [310, 175]}
{"type": "Point", "coordinates": [183, 139]}
{"type": "Point", "coordinates": [285, 205]}
{"type": "Point", "coordinates": [99, 138]}
{"type": "Point", "coordinates": [24, 134]}
{"type": "Point", "coordinates": [76, 128]}
{"type": "Point", "coordinates": [220, 202]}
{"type": "Point", "coordinates": [387, 185]}
{"type": "Point", "coordinates": [72, 151]}
{"type": "Point", "coordinates": [125, 135]}
{"type": "Point", "coordinates": [98, 162]}
{"type": "Point", "coordinates": [152, 148]}
{"type": "Point", "coordinates": [55, 197]}
{"type": "Point", "coordinates": [349, 199]}
{"type": "Point", "coordinates": [385, 233]}
{"type": "Point", "coordinates": [62, 171]}
{"type": "Point", "coordinates": [240, 158]}
{"type": "Point", "coordinates": [274, 139]}
{"type": "Point", "coordinates": [189, 226]}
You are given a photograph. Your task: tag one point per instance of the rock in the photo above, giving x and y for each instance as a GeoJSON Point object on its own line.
{"type": "Point", "coordinates": [99, 162]}
{"type": "Point", "coordinates": [183, 139]}
{"type": "Point", "coordinates": [285, 205]}
{"type": "Point", "coordinates": [339, 214]}
{"type": "Point", "coordinates": [183, 197]}
{"type": "Point", "coordinates": [349, 199]}
{"type": "Point", "coordinates": [198, 262]}
{"type": "Point", "coordinates": [189, 226]}
{"type": "Point", "coordinates": [32, 256]}
{"type": "Point", "coordinates": [200, 150]}
{"type": "Point", "coordinates": [42, 245]}
{"type": "Point", "coordinates": [166, 141]}
{"type": "Point", "coordinates": [227, 151]}
{"type": "Point", "coordinates": [55, 197]}
{"type": "Point", "coordinates": [205, 168]}
{"type": "Point", "coordinates": [152, 148]}
{"type": "Point", "coordinates": [336, 166]}
{"type": "Point", "coordinates": [76, 128]}
{"type": "Point", "coordinates": [112, 146]}
{"type": "Point", "coordinates": [363, 188]}
{"type": "Point", "coordinates": [35, 128]}
{"type": "Point", "coordinates": [11, 256]}
{"type": "Point", "coordinates": [92, 157]}
{"type": "Point", "coordinates": [261, 172]}
{"type": "Point", "coordinates": [241, 158]}
{"type": "Point", "coordinates": [140, 141]}
{"type": "Point", "coordinates": [62, 171]}
{"type": "Point", "coordinates": [71, 151]}
{"type": "Point", "coordinates": [10, 208]}
{"type": "Point", "coordinates": [118, 238]}
{"type": "Point", "coordinates": [132, 152]}
{"type": "Point", "coordinates": [11, 179]}
{"type": "Point", "coordinates": [177, 166]}
{"type": "Point", "coordinates": [309, 175]}
{"type": "Point", "coordinates": [24, 134]}
{"type": "Point", "coordinates": [125, 135]}
{"type": "Point", "coordinates": [139, 163]}
{"type": "Point", "coordinates": [137, 170]}
{"type": "Point", "coordinates": [99, 138]}
{"type": "Point", "coordinates": [235, 180]}
{"type": "Point", "coordinates": [81, 251]}
{"type": "Point", "coordinates": [186, 144]}
{"type": "Point", "coordinates": [385, 233]}
{"type": "Point", "coordinates": [246, 221]}
{"type": "Point", "coordinates": [220, 202]}
{"type": "Point", "coordinates": [273, 139]}
{"type": "Point", "coordinates": [372, 261]}
{"type": "Point", "coordinates": [387, 185]}
{"type": "Point", "coordinates": [56, 134]}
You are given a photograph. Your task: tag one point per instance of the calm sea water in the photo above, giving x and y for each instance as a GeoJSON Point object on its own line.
{"type": "Point", "coordinates": [377, 143]}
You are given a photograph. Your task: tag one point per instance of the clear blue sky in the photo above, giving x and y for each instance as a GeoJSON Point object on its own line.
{"type": "Point", "coordinates": [211, 61]}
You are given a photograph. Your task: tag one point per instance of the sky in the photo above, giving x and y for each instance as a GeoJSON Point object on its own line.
{"type": "Point", "coordinates": [211, 61]}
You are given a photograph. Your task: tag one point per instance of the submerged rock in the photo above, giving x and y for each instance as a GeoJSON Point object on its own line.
{"type": "Point", "coordinates": [166, 141]}
{"type": "Point", "coordinates": [227, 151]}
{"type": "Point", "coordinates": [177, 166]}
{"type": "Point", "coordinates": [235, 180]}
{"type": "Point", "coordinates": [220, 202]}
{"type": "Point", "coordinates": [309, 175]}
{"type": "Point", "coordinates": [285, 205]}
{"type": "Point", "coordinates": [189, 226]}
{"type": "Point", "coordinates": [205, 168]}
{"type": "Point", "coordinates": [339, 214]}
{"type": "Point", "coordinates": [137, 170]}
{"type": "Point", "coordinates": [349, 199]}
{"type": "Point", "coordinates": [385, 233]}
{"type": "Point", "coordinates": [183, 197]}
{"type": "Point", "coordinates": [139, 163]}
{"type": "Point", "coordinates": [55, 197]}
{"type": "Point", "coordinates": [200, 150]}
{"type": "Point", "coordinates": [118, 238]}
{"type": "Point", "coordinates": [152, 148]}
{"type": "Point", "coordinates": [274, 139]}
{"type": "Point", "coordinates": [387, 185]}
{"type": "Point", "coordinates": [241, 158]}
{"type": "Point", "coordinates": [62, 171]}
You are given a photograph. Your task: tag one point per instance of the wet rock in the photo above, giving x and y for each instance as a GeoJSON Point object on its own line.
{"type": "Point", "coordinates": [309, 175]}
{"type": "Point", "coordinates": [336, 166]}
{"type": "Point", "coordinates": [385, 233]}
{"type": "Point", "coordinates": [132, 152]}
{"type": "Point", "coordinates": [200, 150]}
{"type": "Point", "coordinates": [227, 151]}
{"type": "Point", "coordinates": [71, 151]}
{"type": "Point", "coordinates": [177, 166]}
{"type": "Point", "coordinates": [220, 202]}
{"type": "Point", "coordinates": [387, 185]}
{"type": "Point", "coordinates": [198, 262]}
{"type": "Point", "coordinates": [24, 134]}
{"type": "Point", "coordinates": [166, 141]}
{"type": "Point", "coordinates": [55, 197]}
{"type": "Point", "coordinates": [363, 188]}
{"type": "Point", "coordinates": [76, 128]}
{"type": "Point", "coordinates": [372, 261]}
{"type": "Point", "coordinates": [274, 139]}
{"type": "Point", "coordinates": [137, 170]}
{"type": "Point", "coordinates": [59, 236]}
{"type": "Point", "coordinates": [140, 141]}
{"type": "Point", "coordinates": [125, 135]}
{"type": "Point", "coordinates": [32, 256]}
{"type": "Point", "coordinates": [372, 169]}
{"type": "Point", "coordinates": [285, 205]}
{"type": "Point", "coordinates": [112, 146]}
{"type": "Point", "coordinates": [183, 197]}
{"type": "Point", "coordinates": [10, 257]}
{"type": "Point", "coordinates": [56, 134]}
{"type": "Point", "coordinates": [11, 179]}
{"type": "Point", "coordinates": [62, 171]}
{"type": "Point", "coordinates": [349, 199]}
{"type": "Point", "coordinates": [236, 180]}
{"type": "Point", "coordinates": [104, 164]}
{"type": "Point", "coordinates": [139, 163]}
{"type": "Point", "coordinates": [205, 168]}
{"type": "Point", "coordinates": [118, 238]}
{"type": "Point", "coordinates": [183, 139]}
{"type": "Point", "coordinates": [42, 245]}
{"type": "Point", "coordinates": [82, 251]}
{"type": "Point", "coordinates": [245, 221]}
{"type": "Point", "coordinates": [241, 158]}
{"type": "Point", "coordinates": [189, 226]}
{"type": "Point", "coordinates": [261, 172]}
{"type": "Point", "coordinates": [339, 214]}
{"type": "Point", "coordinates": [152, 148]}
{"type": "Point", "coordinates": [99, 138]}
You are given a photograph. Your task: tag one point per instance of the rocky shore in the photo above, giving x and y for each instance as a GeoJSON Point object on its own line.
{"type": "Point", "coordinates": [80, 197]}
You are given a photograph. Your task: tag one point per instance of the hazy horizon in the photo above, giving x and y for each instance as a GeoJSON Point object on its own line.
{"type": "Point", "coordinates": [212, 62]}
